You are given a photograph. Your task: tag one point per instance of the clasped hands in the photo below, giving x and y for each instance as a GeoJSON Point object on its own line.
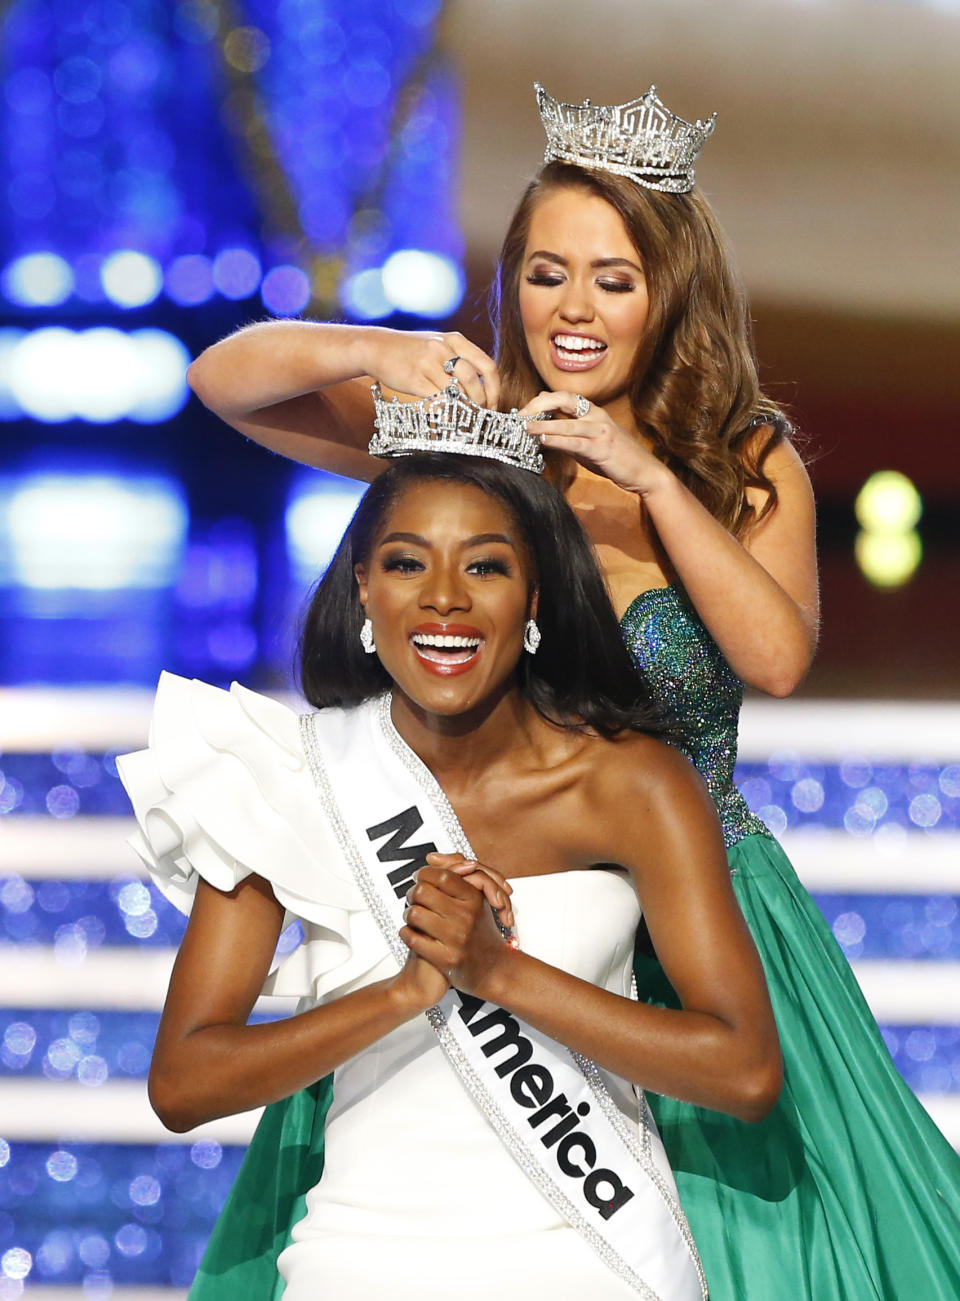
{"type": "Point", "coordinates": [450, 928]}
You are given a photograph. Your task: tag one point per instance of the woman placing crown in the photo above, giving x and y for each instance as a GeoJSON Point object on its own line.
{"type": "Point", "coordinates": [483, 1135]}
{"type": "Point", "coordinates": [619, 314]}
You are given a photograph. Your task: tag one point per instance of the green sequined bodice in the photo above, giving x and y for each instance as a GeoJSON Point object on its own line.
{"type": "Point", "coordinates": [698, 693]}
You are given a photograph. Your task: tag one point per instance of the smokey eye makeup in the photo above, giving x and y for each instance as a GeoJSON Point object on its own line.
{"type": "Point", "coordinates": [490, 565]}
{"type": "Point", "coordinates": [483, 567]}
{"type": "Point", "coordinates": [402, 563]}
{"type": "Point", "coordinates": [551, 279]}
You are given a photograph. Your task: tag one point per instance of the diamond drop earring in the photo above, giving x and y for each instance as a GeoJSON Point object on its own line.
{"type": "Point", "coordinates": [366, 637]}
{"type": "Point", "coordinates": [531, 637]}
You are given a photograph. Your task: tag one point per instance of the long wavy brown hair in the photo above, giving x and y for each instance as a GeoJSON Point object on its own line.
{"type": "Point", "coordinates": [694, 388]}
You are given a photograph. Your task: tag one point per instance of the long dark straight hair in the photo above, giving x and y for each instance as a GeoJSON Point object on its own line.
{"type": "Point", "coordinates": [582, 675]}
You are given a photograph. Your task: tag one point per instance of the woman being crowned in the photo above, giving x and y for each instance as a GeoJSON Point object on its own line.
{"type": "Point", "coordinates": [618, 311]}
{"type": "Point", "coordinates": [466, 828]}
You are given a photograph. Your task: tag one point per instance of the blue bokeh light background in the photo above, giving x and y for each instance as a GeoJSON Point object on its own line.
{"type": "Point", "coordinates": [169, 172]}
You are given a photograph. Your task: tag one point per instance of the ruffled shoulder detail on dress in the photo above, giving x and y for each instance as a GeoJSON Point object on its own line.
{"type": "Point", "coordinates": [224, 789]}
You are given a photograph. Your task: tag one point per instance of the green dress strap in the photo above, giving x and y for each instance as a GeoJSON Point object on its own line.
{"type": "Point", "coordinates": [283, 1162]}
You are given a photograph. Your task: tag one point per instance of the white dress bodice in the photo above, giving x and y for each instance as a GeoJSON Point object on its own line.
{"type": "Point", "coordinates": [418, 1195]}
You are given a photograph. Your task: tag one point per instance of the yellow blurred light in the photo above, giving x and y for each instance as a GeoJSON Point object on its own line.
{"type": "Point", "coordinates": [888, 503]}
{"type": "Point", "coordinates": [888, 560]}
{"type": "Point", "coordinates": [325, 276]}
{"type": "Point", "coordinates": [247, 49]}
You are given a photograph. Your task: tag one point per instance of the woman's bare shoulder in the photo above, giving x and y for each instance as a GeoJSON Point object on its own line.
{"type": "Point", "coordinates": [783, 465]}
{"type": "Point", "coordinates": [640, 767]}
{"type": "Point", "coordinates": [654, 808]}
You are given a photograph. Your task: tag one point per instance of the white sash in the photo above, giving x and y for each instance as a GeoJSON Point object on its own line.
{"type": "Point", "coordinates": [550, 1107]}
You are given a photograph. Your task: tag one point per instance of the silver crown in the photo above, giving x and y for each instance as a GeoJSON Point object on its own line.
{"type": "Point", "coordinates": [642, 139]}
{"type": "Point", "coordinates": [449, 422]}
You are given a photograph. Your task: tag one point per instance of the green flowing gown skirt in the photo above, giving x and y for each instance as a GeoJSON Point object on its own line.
{"type": "Point", "coordinates": [268, 1197]}
{"type": "Point", "coordinates": [847, 1191]}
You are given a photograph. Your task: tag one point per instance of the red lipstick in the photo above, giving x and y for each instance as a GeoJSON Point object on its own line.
{"type": "Point", "coordinates": [446, 649]}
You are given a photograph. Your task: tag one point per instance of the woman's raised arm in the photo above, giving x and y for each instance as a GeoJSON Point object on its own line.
{"type": "Point", "coordinates": [302, 388]}
{"type": "Point", "coordinates": [759, 598]}
{"type": "Point", "coordinates": [208, 1062]}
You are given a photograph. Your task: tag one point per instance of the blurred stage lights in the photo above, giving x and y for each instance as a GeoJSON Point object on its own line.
{"type": "Point", "coordinates": [411, 281]}
{"type": "Point", "coordinates": [888, 547]}
{"type": "Point", "coordinates": [318, 512]}
{"type": "Point", "coordinates": [131, 279]}
{"type": "Point", "coordinates": [888, 561]}
{"type": "Point", "coordinates": [247, 49]}
{"type": "Point", "coordinates": [99, 375]}
{"type": "Point", "coordinates": [285, 291]}
{"type": "Point", "coordinates": [425, 284]}
{"type": "Point", "coordinates": [236, 273]}
{"type": "Point", "coordinates": [16, 1263]}
{"type": "Point", "coordinates": [188, 280]}
{"type": "Point", "coordinates": [94, 532]}
{"type": "Point", "coordinates": [363, 296]}
{"type": "Point", "coordinates": [888, 503]}
{"type": "Point", "coordinates": [38, 280]}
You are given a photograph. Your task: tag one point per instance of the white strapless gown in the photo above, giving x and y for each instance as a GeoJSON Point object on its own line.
{"type": "Point", "coordinates": [418, 1196]}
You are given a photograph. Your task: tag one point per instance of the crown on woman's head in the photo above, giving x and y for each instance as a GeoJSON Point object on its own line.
{"type": "Point", "coordinates": [449, 422]}
{"type": "Point", "coordinates": [642, 139]}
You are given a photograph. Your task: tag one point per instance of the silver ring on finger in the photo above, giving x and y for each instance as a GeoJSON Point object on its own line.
{"type": "Point", "coordinates": [583, 406]}
{"type": "Point", "coordinates": [449, 364]}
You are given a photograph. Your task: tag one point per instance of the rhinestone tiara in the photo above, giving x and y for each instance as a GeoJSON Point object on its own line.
{"type": "Point", "coordinates": [449, 422]}
{"type": "Point", "coordinates": [642, 139]}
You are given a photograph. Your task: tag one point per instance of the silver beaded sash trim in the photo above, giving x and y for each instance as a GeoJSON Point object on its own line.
{"type": "Point", "coordinates": [640, 1150]}
{"type": "Point", "coordinates": [371, 896]}
{"type": "Point", "coordinates": [363, 770]}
